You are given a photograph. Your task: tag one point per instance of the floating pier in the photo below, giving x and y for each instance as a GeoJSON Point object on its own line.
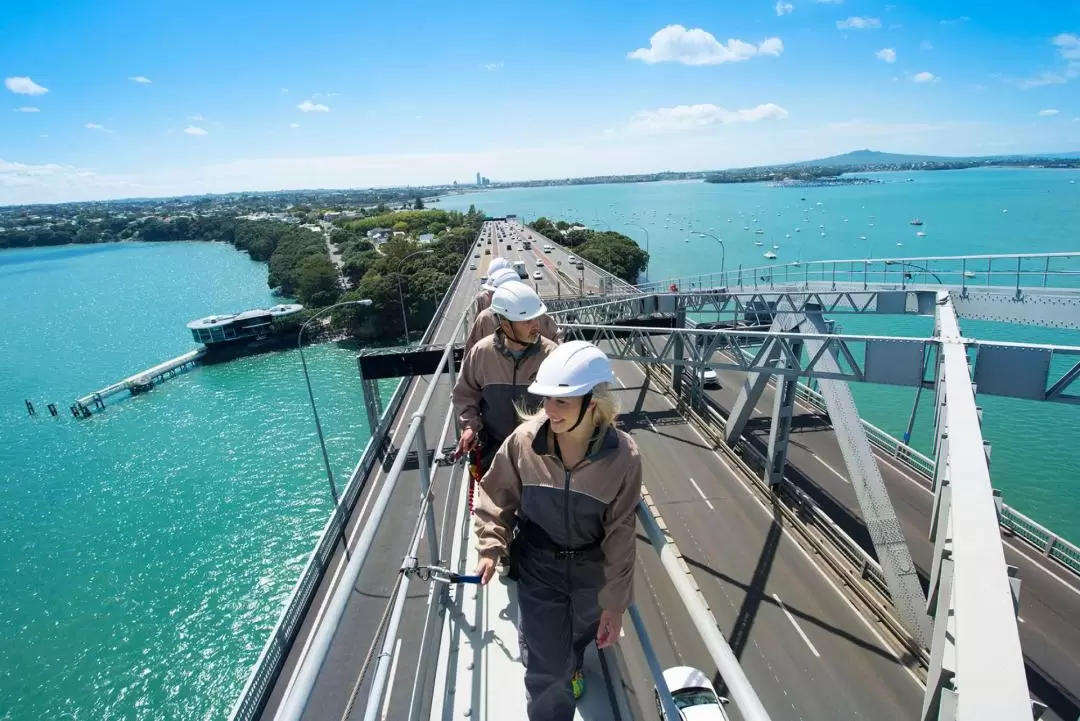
{"type": "Point", "coordinates": [85, 406]}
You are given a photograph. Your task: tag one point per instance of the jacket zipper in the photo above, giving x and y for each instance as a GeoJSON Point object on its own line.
{"type": "Point", "coordinates": [568, 561]}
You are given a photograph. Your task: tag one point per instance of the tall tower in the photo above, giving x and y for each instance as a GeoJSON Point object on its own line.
{"type": "Point", "coordinates": [478, 178]}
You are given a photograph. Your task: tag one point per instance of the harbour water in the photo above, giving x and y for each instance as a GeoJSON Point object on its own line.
{"type": "Point", "coordinates": [145, 552]}
{"type": "Point", "coordinates": [962, 214]}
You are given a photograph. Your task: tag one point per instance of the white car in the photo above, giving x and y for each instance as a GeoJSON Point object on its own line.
{"type": "Point", "coordinates": [709, 379]}
{"type": "Point", "coordinates": [472, 266]}
{"type": "Point", "coordinates": [539, 262]}
{"type": "Point", "coordinates": [537, 275]}
{"type": "Point", "coordinates": [572, 260]}
{"type": "Point", "coordinates": [693, 694]}
{"type": "Point", "coordinates": [548, 248]}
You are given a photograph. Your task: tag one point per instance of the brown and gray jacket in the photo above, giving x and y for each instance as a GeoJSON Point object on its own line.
{"type": "Point", "coordinates": [483, 300]}
{"type": "Point", "coordinates": [593, 501]}
{"type": "Point", "coordinates": [492, 381]}
{"type": "Point", "coordinates": [486, 322]}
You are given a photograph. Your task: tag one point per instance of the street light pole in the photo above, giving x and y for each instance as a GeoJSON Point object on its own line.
{"type": "Point", "coordinates": [401, 296]}
{"type": "Point", "coordinates": [311, 396]}
{"type": "Point", "coordinates": [723, 251]}
{"type": "Point", "coordinates": [646, 231]}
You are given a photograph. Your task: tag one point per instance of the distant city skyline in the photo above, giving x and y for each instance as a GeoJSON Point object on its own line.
{"type": "Point", "coordinates": [210, 100]}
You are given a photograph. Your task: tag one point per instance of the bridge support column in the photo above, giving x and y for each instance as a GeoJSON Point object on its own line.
{"type": "Point", "coordinates": [754, 383]}
{"type": "Point", "coordinates": [677, 370]}
{"type": "Point", "coordinates": [877, 510]}
{"type": "Point", "coordinates": [977, 665]}
{"type": "Point", "coordinates": [783, 410]}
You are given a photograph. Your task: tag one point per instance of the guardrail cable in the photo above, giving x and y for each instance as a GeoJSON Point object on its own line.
{"type": "Point", "coordinates": [371, 650]}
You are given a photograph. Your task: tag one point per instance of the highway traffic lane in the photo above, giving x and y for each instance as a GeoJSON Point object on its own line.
{"type": "Point", "coordinates": [855, 672]}
{"type": "Point", "coordinates": [405, 490]}
{"type": "Point", "coordinates": [672, 634]}
{"type": "Point", "coordinates": [1049, 598]}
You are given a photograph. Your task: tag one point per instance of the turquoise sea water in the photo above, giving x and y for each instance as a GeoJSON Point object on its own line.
{"type": "Point", "coordinates": [1034, 460]}
{"type": "Point", "coordinates": [145, 553]}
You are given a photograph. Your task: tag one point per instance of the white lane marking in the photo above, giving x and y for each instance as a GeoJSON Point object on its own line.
{"type": "Point", "coordinates": [798, 628]}
{"type": "Point", "coordinates": [702, 494]}
{"type": "Point", "coordinates": [806, 554]}
{"type": "Point", "coordinates": [620, 381]}
{"type": "Point", "coordinates": [1019, 547]}
{"type": "Point", "coordinates": [358, 528]}
{"type": "Point", "coordinates": [390, 680]}
{"type": "Point", "coordinates": [836, 473]}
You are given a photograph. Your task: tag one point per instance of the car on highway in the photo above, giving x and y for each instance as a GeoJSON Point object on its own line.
{"type": "Point", "coordinates": [549, 248]}
{"type": "Point", "coordinates": [487, 251]}
{"type": "Point", "coordinates": [472, 266]}
{"type": "Point", "coordinates": [709, 379]}
{"type": "Point", "coordinates": [539, 262]}
{"type": "Point", "coordinates": [693, 694]}
{"type": "Point", "coordinates": [572, 260]}
{"type": "Point", "coordinates": [476, 255]}
{"type": "Point", "coordinates": [537, 275]}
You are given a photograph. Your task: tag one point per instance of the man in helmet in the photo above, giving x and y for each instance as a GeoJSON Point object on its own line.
{"type": "Point", "coordinates": [483, 298]}
{"type": "Point", "coordinates": [497, 370]}
{"type": "Point", "coordinates": [570, 482]}
{"type": "Point", "coordinates": [487, 321]}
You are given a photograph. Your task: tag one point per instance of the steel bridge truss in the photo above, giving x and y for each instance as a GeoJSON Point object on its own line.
{"type": "Point", "coordinates": [1049, 308]}
{"type": "Point", "coordinates": [1019, 370]}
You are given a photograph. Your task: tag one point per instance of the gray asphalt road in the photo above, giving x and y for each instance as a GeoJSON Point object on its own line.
{"type": "Point", "coordinates": [807, 652]}
{"type": "Point", "coordinates": [1049, 598]}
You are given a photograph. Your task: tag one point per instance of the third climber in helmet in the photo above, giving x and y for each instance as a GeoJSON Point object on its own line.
{"type": "Point", "coordinates": [487, 320]}
{"type": "Point", "coordinates": [483, 298]}
{"type": "Point", "coordinates": [571, 482]}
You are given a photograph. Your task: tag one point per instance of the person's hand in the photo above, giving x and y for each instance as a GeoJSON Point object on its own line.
{"type": "Point", "coordinates": [466, 443]}
{"type": "Point", "coordinates": [485, 569]}
{"type": "Point", "coordinates": [610, 628]}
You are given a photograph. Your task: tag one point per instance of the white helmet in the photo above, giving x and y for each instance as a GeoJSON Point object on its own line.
{"type": "Point", "coordinates": [500, 276]}
{"type": "Point", "coordinates": [572, 369]}
{"type": "Point", "coordinates": [516, 301]}
{"type": "Point", "coordinates": [497, 263]}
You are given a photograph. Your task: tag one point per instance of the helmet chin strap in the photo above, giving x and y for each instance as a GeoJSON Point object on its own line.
{"type": "Point", "coordinates": [513, 336]}
{"type": "Point", "coordinates": [585, 400]}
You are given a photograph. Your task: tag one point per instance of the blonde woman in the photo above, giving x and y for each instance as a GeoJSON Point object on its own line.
{"type": "Point", "coordinates": [570, 483]}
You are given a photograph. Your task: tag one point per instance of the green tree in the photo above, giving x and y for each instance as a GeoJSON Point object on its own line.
{"type": "Point", "coordinates": [317, 282]}
{"type": "Point", "coordinates": [418, 204]}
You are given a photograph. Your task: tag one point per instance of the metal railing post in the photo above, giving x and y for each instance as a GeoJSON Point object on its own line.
{"type": "Point", "coordinates": [727, 664]}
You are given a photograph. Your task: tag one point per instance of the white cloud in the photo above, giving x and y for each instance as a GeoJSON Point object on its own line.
{"type": "Point", "coordinates": [828, 2]}
{"type": "Point", "coordinates": [309, 107]}
{"type": "Point", "coordinates": [1047, 113]}
{"type": "Point", "coordinates": [142, 79]}
{"type": "Point", "coordinates": [689, 117]}
{"type": "Point", "coordinates": [491, 67]}
{"type": "Point", "coordinates": [294, 125]}
{"type": "Point", "coordinates": [325, 95]}
{"type": "Point", "coordinates": [926, 45]}
{"type": "Point", "coordinates": [193, 130]}
{"type": "Point", "coordinates": [858, 23]}
{"type": "Point", "coordinates": [24, 86]}
{"type": "Point", "coordinates": [957, 21]}
{"type": "Point", "coordinates": [886, 54]}
{"type": "Point", "coordinates": [43, 135]}
{"type": "Point", "coordinates": [925, 77]}
{"type": "Point", "coordinates": [783, 8]}
{"type": "Point", "coordinates": [198, 117]}
{"type": "Point", "coordinates": [95, 126]}
{"type": "Point", "coordinates": [1068, 45]}
{"type": "Point", "coordinates": [697, 47]}
{"type": "Point", "coordinates": [27, 109]}
{"type": "Point", "coordinates": [284, 90]}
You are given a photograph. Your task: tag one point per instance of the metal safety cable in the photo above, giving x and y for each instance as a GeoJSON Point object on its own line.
{"type": "Point", "coordinates": [371, 650]}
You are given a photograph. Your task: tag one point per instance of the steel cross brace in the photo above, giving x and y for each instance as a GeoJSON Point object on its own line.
{"type": "Point", "coordinates": [874, 503]}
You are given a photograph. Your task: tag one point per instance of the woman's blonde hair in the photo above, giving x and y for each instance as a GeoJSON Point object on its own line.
{"type": "Point", "coordinates": [605, 413]}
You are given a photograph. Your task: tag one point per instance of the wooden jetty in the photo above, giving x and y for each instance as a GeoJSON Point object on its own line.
{"type": "Point", "coordinates": [85, 406]}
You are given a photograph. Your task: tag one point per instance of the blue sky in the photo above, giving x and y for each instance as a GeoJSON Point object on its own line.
{"type": "Point", "coordinates": [119, 98]}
